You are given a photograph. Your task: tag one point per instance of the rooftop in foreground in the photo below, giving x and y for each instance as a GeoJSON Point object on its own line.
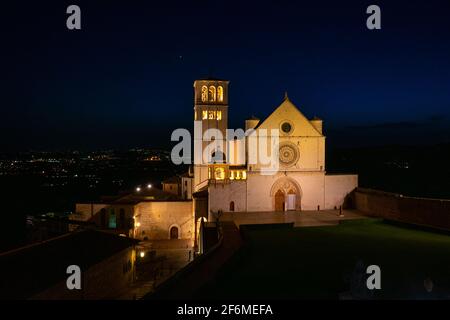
{"type": "Point", "coordinates": [34, 268]}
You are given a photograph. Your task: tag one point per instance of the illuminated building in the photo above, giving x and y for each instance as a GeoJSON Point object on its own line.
{"type": "Point", "coordinates": [229, 182]}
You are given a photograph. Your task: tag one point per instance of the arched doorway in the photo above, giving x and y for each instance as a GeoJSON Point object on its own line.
{"type": "Point", "coordinates": [174, 232]}
{"type": "Point", "coordinates": [286, 194]}
{"type": "Point", "coordinates": [279, 200]}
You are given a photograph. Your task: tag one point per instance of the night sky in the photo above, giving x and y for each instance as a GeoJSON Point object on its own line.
{"type": "Point", "coordinates": [125, 80]}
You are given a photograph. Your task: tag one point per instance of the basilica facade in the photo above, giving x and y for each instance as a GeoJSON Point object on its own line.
{"type": "Point", "coordinates": [233, 182]}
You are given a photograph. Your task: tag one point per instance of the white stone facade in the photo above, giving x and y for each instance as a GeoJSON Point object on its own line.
{"type": "Point", "coordinates": [312, 191]}
{"type": "Point", "coordinates": [299, 182]}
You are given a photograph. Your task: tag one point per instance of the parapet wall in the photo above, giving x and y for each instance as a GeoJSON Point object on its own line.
{"type": "Point", "coordinates": [337, 188]}
{"type": "Point", "coordinates": [422, 211]}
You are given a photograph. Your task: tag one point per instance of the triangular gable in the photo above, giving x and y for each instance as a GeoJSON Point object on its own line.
{"type": "Point", "coordinates": [287, 111]}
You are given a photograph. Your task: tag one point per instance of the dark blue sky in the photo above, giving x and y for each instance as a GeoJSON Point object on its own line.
{"type": "Point", "coordinates": [126, 78]}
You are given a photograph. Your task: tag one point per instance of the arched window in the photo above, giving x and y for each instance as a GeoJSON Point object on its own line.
{"type": "Point", "coordinates": [204, 94]}
{"type": "Point", "coordinates": [174, 232]}
{"type": "Point", "coordinates": [232, 206]}
{"type": "Point", "coordinates": [219, 173]}
{"type": "Point", "coordinates": [212, 94]}
{"type": "Point", "coordinates": [112, 219]}
{"type": "Point", "coordinates": [220, 93]}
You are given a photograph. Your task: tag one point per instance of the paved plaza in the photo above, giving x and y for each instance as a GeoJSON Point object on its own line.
{"type": "Point", "coordinates": [299, 218]}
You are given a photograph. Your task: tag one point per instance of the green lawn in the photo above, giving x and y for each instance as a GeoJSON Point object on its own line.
{"type": "Point", "coordinates": [320, 262]}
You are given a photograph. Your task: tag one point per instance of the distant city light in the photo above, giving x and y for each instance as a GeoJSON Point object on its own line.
{"type": "Point", "coordinates": [142, 254]}
{"type": "Point", "coordinates": [149, 186]}
{"type": "Point", "coordinates": [138, 189]}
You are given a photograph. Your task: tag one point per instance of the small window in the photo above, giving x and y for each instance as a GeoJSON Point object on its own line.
{"type": "Point", "coordinates": [219, 173]}
{"type": "Point", "coordinates": [220, 93]}
{"type": "Point", "coordinates": [174, 233]}
{"type": "Point", "coordinates": [232, 206]}
{"type": "Point", "coordinates": [217, 157]}
{"type": "Point", "coordinates": [112, 219]}
{"type": "Point", "coordinates": [286, 127]}
{"type": "Point", "coordinates": [212, 94]}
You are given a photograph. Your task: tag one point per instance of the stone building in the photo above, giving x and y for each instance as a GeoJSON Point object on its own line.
{"type": "Point", "coordinates": [180, 185]}
{"type": "Point", "coordinates": [172, 185]}
{"type": "Point", "coordinates": [147, 214]}
{"type": "Point", "coordinates": [228, 181]}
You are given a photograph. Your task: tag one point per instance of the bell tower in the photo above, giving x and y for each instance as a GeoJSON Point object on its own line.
{"type": "Point", "coordinates": [211, 108]}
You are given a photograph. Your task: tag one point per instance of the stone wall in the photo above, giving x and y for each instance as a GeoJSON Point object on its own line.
{"type": "Point", "coordinates": [427, 212]}
{"type": "Point", "coordinates": [105, 280]}
{"type": "Point", "coordinates": [153, 220]}
{"type": "Point", "coordinates": [200, 207]}
{"type": "Point", "coordinates": [173, 188]}
{"type": "Point", "coordinates": [221, 195]}
{"type": "Point", "coordinates": [310, 187]}
{"type": "Point", "coordinates": [256, 194]}
{"type": "Point", "coordinates": [337, 188]}
{"type": "Point", "coordinates": [93, 212]}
